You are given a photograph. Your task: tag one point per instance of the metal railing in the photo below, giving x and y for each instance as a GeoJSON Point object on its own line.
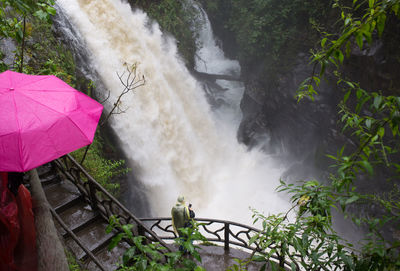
{"type": "Point", "coordinates": [100, 199]}
{"type": "Point", "coordinates": [224, 232]}
{"type": "Point", "coordinates": [228, 233]}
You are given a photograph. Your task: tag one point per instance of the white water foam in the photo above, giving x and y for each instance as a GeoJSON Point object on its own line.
{"type": "Point", "coordinates": [211, 59]}
{"type": "Point", "coordinates": [169, 131]}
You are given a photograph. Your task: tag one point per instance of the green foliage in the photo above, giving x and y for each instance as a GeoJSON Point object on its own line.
{"type": "Point", "coordinates": [240, 265]}
{"type": "Point", "coordinates": [359, 24]}
{"type": "Point", "coordinates": [143, 255]}
{"type": "Point", "coordinates": [101, 169]}
{"type": "Point", "coordinates": [371, 120]}
{"type": "Point", "coordinates": [304, 243]}
{"type": "Point", "coordinates": [270, 32]}
{"type": "Point", "coordinates": [73, 264]}
{"type": "Point", "coordinates": [310, 242]}
{"type": "Point", "coordinates": [47, 55]}
{"type": "Point", "coordinates": [13, 17]}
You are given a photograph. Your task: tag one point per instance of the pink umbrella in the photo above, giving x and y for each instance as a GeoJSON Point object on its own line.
{"type": "Point", "coordinates": [41, 119]}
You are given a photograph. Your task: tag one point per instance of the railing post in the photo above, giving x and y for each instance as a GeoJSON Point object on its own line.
{"type": "Point", "coordinates": [226, 236]}
{"type": "Point", "coordinates": [141, 231]}
{"type": "Point", "coordinates": [92, 191]}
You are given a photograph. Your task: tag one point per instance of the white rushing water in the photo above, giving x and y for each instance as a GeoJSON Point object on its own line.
{"type": "Point", "coordinates": [211, 59]}
{"type": "Point", "coordinates": [177, 144]}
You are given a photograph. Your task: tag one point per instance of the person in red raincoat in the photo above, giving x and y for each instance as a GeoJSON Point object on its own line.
{"type": "Point", "coordinates": [17, 228]}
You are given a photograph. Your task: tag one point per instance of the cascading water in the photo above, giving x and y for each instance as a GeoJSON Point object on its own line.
{"type": "Point", "coordinates": [211, 59]}
{"type": "Point", "coordinates": [176, 143]}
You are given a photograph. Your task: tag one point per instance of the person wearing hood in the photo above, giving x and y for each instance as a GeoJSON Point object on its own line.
{"type": "Point", "coordinates": [181, 215]}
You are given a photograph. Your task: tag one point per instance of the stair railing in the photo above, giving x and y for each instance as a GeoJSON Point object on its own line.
{"type": "Point", "coordinates": [100, 199]}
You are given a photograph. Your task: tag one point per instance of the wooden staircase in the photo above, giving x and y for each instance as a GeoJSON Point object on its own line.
{"type": "Point", "coordinates": [82, 230]}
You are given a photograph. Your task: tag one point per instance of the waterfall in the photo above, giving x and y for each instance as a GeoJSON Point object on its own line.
{"type": "Point", "coordinates": [176, 142]}
{"type": "Point", "coordinates": [211, 59]}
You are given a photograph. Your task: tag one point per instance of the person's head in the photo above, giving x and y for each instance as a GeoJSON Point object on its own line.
{"type": "Point", "coordinates": [181, 199]}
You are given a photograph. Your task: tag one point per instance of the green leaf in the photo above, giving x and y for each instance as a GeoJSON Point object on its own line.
{"type": "Point", "coordinates": [128, 255]}
{"type": "Point", "coordinates": [368, 123]}
{"type": "Point", "coordinates": [339, 55]}
{"type": "Point", "coordinates": [371, 3]}
{"type": "Point", "coordinates": [316, 80]}
{"type": "Point", "coordinates": [359, 93]}
{"type": "Point", "coordinates": [348, 48]}
{"type": "Point", "coordinates": [323, 41]}
{"type": "Point", "coordinates": [352, 199]}
{"type": "Point", "coordinates": [381, 132]}
{"type": "Point", "coordinates": [350, 84]}
{"type": "Point", "coordinates": [331, 156]}
{"type": "Point", "coordinates": [115, 241]}
{"type": "Point", "coordinates": [50, 10]}
{"type": "Point", "coordinates": [142, 264]}
{"type": "Point", "coordinates": [42, 15]}
{"type": "Point", "coordinates": [346, 96]}
{"type": "Point", "coordinates": [381, 23]}
{"type": "Point", "coordinates": [253, 238]}
{"type": "Point", "coordinates": [359, 40]}
{"type": "Point", "coordinates": [258, 258]}
{"type": "Point", "coordinates": [395, 8]}
{"type": "Point", "coordinates": [367, 166]}
{"type": "Point", "coordinates": [377, 101]}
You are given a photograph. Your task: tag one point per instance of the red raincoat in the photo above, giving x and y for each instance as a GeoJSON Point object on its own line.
{"type": "Point", "coordinates": [17, 229]}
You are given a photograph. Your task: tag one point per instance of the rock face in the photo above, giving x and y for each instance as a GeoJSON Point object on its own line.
{"type": "Point", "coordinates": [274, 118]}
{"type": "Point", "coordinates": [307, 130]}
{"type": "Point", "coordinates": [304, 132]}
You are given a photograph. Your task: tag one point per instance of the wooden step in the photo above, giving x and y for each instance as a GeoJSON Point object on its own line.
{"type": "Point", "coordinates": [107, 258]}
{"type": "Point", "coordinates": [93, 236]}
{"type": "Point", "coordinates": [61, 195]}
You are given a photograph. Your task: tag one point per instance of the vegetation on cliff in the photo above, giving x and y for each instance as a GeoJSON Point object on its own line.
{"type": "Point", "coordinates": [268, 34]}
{"type": "Point", "coordinates": [174, 17]}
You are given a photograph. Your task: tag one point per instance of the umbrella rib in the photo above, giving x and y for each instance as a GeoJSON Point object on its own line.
{"type": "Point", "coordinates": [47, 90]}
{"type": "Point", "coordinates": [19, 134]}
{"type": "Point", "coordinates": [36, 101]}
{"type": "Point", "coordinates": [58, 113]}
{"type": "Point", "coordinates": [27, 83]}
{"type": "Point", "coordinates": [48, 137]}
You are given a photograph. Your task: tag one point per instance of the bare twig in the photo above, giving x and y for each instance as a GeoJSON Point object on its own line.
{"type": "Point", "coordinates": [130, 83]}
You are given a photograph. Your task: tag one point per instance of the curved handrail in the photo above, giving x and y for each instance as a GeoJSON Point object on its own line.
{"type": "Point", "coordinates": [227, 232]}
{"type": "Point", "coordinates": [223, 234]}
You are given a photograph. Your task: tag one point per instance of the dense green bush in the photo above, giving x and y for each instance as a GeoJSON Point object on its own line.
{"type": "Point", "coordinates": [103, 170]}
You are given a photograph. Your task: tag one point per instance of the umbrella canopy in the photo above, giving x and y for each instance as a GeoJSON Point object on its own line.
{"type": "Point", "coordinates": [41, 119]}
